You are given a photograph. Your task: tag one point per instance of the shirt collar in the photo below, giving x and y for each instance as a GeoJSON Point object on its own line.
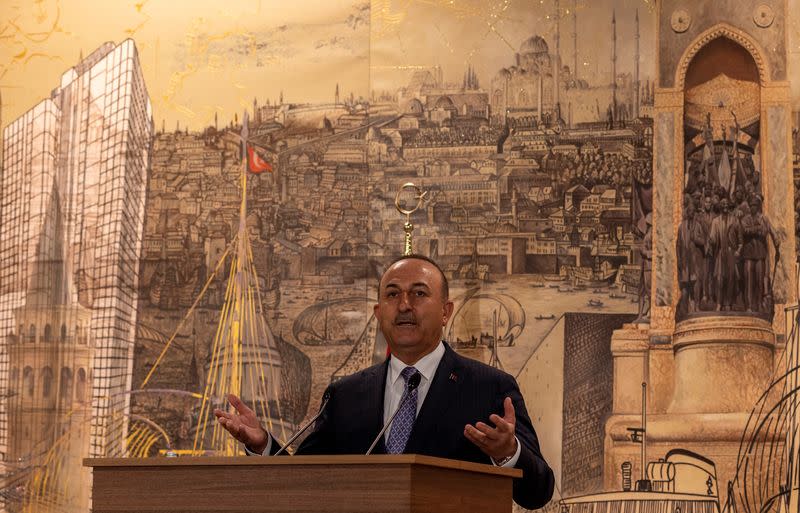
{"type": "Point", "coordinates": [426, 365]}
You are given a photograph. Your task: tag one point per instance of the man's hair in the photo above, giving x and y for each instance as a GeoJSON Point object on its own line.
{"type": "Point", "coordinates": [445, 284]}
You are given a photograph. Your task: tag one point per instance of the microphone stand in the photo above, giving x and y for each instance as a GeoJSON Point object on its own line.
{"type": "Point", "coordinates": [412, 384]}
{"type": "Point", "coordinates": [325, 399]}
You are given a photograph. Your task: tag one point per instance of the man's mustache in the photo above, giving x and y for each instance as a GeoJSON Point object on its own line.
{"type": "Point", "coordinates": [407, 318]}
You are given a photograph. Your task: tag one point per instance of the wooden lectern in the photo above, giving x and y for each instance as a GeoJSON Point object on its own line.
{"type": "Point", "coordinates": [405, 483]}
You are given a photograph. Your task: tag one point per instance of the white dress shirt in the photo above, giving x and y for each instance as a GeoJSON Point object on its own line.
{"type": "Point", "coordinates": [396, 385]}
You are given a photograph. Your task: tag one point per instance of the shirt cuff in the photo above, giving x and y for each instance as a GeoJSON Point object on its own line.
{"type": "Point", "coordinates": [513, 461]}
{"type": "Point", "coordinates": [269, 446]}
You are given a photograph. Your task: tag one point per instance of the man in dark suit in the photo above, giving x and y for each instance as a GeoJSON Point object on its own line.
{"type": "Point", "coordinates": [438, 417]}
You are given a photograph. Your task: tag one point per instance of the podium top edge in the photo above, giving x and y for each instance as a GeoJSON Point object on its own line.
{"type": "Point", "coordinates": [338, 460]}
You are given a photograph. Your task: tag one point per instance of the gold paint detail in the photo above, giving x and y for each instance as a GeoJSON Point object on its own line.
{"type": "Point", "coordinates": [721, 97]}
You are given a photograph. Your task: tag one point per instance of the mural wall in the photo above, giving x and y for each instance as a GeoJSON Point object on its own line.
{"type": "Point", "coordinates": [200, 198]}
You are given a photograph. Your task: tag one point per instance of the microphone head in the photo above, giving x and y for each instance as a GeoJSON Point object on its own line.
{"type": "Point", "coordinates": [413, 381]}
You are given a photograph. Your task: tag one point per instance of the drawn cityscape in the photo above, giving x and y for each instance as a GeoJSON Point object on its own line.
{"type": "Point", "coordinates": [117, 230]}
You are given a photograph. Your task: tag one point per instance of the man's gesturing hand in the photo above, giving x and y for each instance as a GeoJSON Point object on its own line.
{"type": "Point", "coordinates": [243, 425]}
{"type": "Point", "coordinates": [498, 442]}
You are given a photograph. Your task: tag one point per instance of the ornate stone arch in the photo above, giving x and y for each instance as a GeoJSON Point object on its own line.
{"type": "Point", "coordinates": [722, 30]}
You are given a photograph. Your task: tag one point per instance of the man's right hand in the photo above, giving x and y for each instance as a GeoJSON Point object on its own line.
{"type": "Point", "coordinates": [243, 425]}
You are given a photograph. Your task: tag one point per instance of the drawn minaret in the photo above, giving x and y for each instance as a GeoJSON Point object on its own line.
{"type": "Point", "coordinates": [336, 99]}
{"type": "Point", "coordinates": [539, 98]}
{"type": "Point", "coordinates": [636, 71]}
{"type": "Point", "coordinates": [557, 61]}
{"type": "Point", "coordinates": [614, 64]}
{"type": "Point", "coordinates": [575, 39]}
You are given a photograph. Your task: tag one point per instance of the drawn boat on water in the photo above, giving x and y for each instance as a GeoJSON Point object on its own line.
{"type": "Point", "coordinates": [588, 277]}
{"type": "Point", "coordinates": [508, 321]}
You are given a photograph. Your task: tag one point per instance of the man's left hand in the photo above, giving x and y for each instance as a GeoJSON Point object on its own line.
{"type": "Point", "coordinates": [498, 442]}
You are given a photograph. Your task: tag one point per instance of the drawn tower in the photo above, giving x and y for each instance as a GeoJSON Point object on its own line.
{"type": "Point", "coordinates": [74, 179]}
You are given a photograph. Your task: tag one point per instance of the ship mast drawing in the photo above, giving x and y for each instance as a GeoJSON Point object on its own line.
{"type": "Point", "coordinates": [244, 358]}
{"type": "Point", "coordinates": [768, 464]}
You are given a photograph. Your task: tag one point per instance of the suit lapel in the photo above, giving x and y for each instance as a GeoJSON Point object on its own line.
{"type": "Point", "coordinates": [440, 398]}
{"type": "Point", "coordinates": [374, 389]}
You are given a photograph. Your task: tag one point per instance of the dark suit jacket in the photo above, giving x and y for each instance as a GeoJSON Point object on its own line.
{"type": "Point", "coordinates": [463, 391]}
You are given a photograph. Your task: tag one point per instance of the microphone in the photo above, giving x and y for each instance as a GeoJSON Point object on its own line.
{"type": "Point", "coordinates": [325, 398]}
{"type": "Point", "coordinates": [413, 383]}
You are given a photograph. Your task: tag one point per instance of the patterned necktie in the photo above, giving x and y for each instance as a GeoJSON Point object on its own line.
{"type": "Point", "coordinates": [404, 421]}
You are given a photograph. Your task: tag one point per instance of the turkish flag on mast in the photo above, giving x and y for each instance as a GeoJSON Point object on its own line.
{"type": "Point", "coordinates": [255, 163]}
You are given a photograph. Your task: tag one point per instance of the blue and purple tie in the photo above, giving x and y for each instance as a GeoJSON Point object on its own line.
{"type": "Point", "coordinates": [404, 421]}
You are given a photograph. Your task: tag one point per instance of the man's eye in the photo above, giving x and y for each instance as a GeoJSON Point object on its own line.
{"type": "Point", "coordinates": [421, 293]}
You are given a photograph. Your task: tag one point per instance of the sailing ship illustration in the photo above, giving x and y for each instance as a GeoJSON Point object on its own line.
{"type": "Point", "coordinates": [485, 319]}
{"type": "Point", "coordinates": [328, 322]}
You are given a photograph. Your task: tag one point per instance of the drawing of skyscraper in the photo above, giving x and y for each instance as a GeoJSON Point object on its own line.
{"type": "Point", "coordinates": [72, 198]}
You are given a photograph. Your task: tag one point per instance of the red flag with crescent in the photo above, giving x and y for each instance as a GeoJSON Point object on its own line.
{"type": "Point", "coordinates": [255, 162]}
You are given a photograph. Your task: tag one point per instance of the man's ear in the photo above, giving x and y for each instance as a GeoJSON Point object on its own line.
{"type": "Point", "coordinates": [447, 312]}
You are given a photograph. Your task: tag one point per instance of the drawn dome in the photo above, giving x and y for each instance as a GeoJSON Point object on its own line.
{"type": "Point", "coordinates": [503, 74]}
{"type": "Point", "coordinates": [535, 44]}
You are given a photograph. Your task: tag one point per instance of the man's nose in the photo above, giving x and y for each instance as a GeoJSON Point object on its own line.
{"type": "Point", "coordinates": [405, 302]}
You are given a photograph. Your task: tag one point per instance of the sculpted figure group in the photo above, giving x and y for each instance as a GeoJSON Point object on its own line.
{"type": "Point", "coordinates": [723, 252]}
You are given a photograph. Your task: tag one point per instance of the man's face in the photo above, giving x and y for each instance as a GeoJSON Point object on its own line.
{"type": "Point", "coordinates": [411, 309]}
